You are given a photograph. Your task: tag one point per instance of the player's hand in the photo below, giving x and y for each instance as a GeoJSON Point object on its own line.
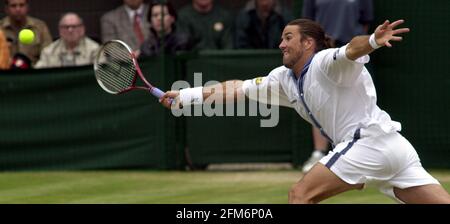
{"type": "Point", "coordinates": [171, 100]}
{"type": "Point", "coordinates": [386, 32]}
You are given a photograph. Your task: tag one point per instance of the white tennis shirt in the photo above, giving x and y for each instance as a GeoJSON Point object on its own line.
{"type": "Point", "coordinates": [339, 93]}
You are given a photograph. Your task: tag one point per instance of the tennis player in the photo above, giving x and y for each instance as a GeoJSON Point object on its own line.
{"type": "Point", "coordinates": [331, 89]}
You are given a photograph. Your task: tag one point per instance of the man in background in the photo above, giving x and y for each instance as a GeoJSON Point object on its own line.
{"type": "Point", "coordinates": [259, 27]}
{"type": "Point", "coordinates": [73, 48]}
{"type": "Point", "coordinates": [127, 23]}
{"type": "Point", "coordinates": [17, 19]}
{"type": "Point", "coordinates": [207, 24]}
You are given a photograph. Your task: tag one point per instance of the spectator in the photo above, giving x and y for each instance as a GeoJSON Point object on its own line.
{"type": "Point", "coordinates": [4, 52]}
{"type": "Point", "coordinates": [259, 27]}
{"type": "Point", "coordinates": [207, 24]}
{"type": "Point", "coordinates": [17, 19]}
{"type": "Point", "coordinates": [72, 49]}
{"type": "Point", "coordinates": [342, 20]}
{"type": "Point", "coordinates": [126, 23]}
{"type": "Point", "coordinates": [173, 39]}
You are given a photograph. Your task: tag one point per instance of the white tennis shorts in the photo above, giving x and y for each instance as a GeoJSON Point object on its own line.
{"type": "Point", "coordinates": [384, 161]}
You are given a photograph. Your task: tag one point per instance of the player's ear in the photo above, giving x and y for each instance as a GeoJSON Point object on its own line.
{"type": "Point", "coordinates": [308, 43]}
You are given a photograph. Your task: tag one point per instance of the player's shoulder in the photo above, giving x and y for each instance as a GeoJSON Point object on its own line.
{"type": "Point", "coordinates": [325, 52]}
{"type": "Point", "coordinates": [338, 54]}
{"type": "Point", "coordinates": [281, 74]}
{"type": "Point", "coordinates": [327, 57]}
{"type": "Point", "coordinates": [280, 70]}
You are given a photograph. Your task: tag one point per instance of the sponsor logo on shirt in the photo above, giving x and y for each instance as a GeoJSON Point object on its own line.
{"type": "Point", "coordinates": [258, 80]}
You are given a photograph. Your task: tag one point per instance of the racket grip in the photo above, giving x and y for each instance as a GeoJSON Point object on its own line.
{"type": "Point", "coordinates": [158, 94]}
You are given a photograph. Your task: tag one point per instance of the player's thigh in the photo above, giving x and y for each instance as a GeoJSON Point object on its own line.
{"type": "Point", "coordinates": [426, 194]}
{"type": "Point", "coordinates": [320, 183]}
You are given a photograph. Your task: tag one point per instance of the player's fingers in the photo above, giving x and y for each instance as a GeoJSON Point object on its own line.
{"type": "Point", "coordinates": [385, 24]}
{"type": "Point", "coordinates": [171, 100]}
{"type": "Point", "coordinates": [175, 103]}
{"type": "Point", "coordinates": [402, 30]}
{"type": "Point", "coordinates": [396, 23]}
{"type": "Point", "coordinates": [387, 44]}
{"type": "Point", "coordinates": [170, 103]}
{"type": "Point", "coordinates": [394, 38]}
{"type": "Point", "coordinates": [171, 94]}
{"type": "Point", "coordinates": [380, 27]}
{"type": "Point", "coordinates": [167, 98]}
{"type": "Point", "coordinates": [163, 101]}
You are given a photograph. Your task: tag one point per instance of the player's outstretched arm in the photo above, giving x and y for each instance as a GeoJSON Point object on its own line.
{"type": "Point", "coordinates": [383, 35]}
{"type": "Point", "coordinates": [224, 92]}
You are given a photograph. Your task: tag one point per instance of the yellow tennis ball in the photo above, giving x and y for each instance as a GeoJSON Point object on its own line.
{"type": "Point", "coordinates": [26, 36]}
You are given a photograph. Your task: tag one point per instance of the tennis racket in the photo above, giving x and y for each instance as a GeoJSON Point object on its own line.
{"type": "Point", "coordinates": [116, 70]}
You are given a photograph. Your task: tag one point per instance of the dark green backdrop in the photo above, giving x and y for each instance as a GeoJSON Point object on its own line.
{"type": "Point", "coordinates": [413, 81]}
{"type": "Point", "coordinates": [59, 119]}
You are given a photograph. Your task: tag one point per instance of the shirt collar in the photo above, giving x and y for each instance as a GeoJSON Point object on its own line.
{"type": "Point", "coordinates": [304, 69]}
{"type": "Point", "coordinates": [131, 12]}
{"type": "Point", "coordinates": [29, 23]}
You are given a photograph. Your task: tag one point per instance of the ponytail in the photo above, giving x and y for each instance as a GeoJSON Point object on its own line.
{"type": "Point", "coordinates": [329, 42]}
{"type": "Point", "coordinates": [309, 28]}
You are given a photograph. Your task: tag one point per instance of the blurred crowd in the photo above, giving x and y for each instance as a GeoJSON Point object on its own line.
{"type": "Point", "coordinates": [149, 29]}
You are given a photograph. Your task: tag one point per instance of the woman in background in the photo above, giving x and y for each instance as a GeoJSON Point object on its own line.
{"type": "Point", "coordinates": [163, 31]}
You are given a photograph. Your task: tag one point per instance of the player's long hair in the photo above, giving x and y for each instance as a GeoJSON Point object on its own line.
{"type": "Point", "coordinates": [309, 28]}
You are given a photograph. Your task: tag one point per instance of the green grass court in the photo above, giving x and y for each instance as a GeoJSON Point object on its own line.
{"type": "Point", "coordinates": [130, 187]}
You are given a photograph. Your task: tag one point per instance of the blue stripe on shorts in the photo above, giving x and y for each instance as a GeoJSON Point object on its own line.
{"type": "Point", "coordinates": [339, 154]}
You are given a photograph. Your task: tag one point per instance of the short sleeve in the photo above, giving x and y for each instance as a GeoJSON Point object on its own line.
{"type": "Point", "coordinates": [267, 89]}
{"type": "Point", "coordinates": [338, 68]}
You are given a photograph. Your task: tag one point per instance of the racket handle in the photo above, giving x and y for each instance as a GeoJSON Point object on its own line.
{"type": "Point", "coordinates": [158, 94]}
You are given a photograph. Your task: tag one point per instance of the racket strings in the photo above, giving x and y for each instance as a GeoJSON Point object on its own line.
{"type": "Point", "coordinates": [117, 82]}
{"type": "Point", "coordinates": [111, 82]}
{"type": "Point", "coordinates": [116, 69]}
